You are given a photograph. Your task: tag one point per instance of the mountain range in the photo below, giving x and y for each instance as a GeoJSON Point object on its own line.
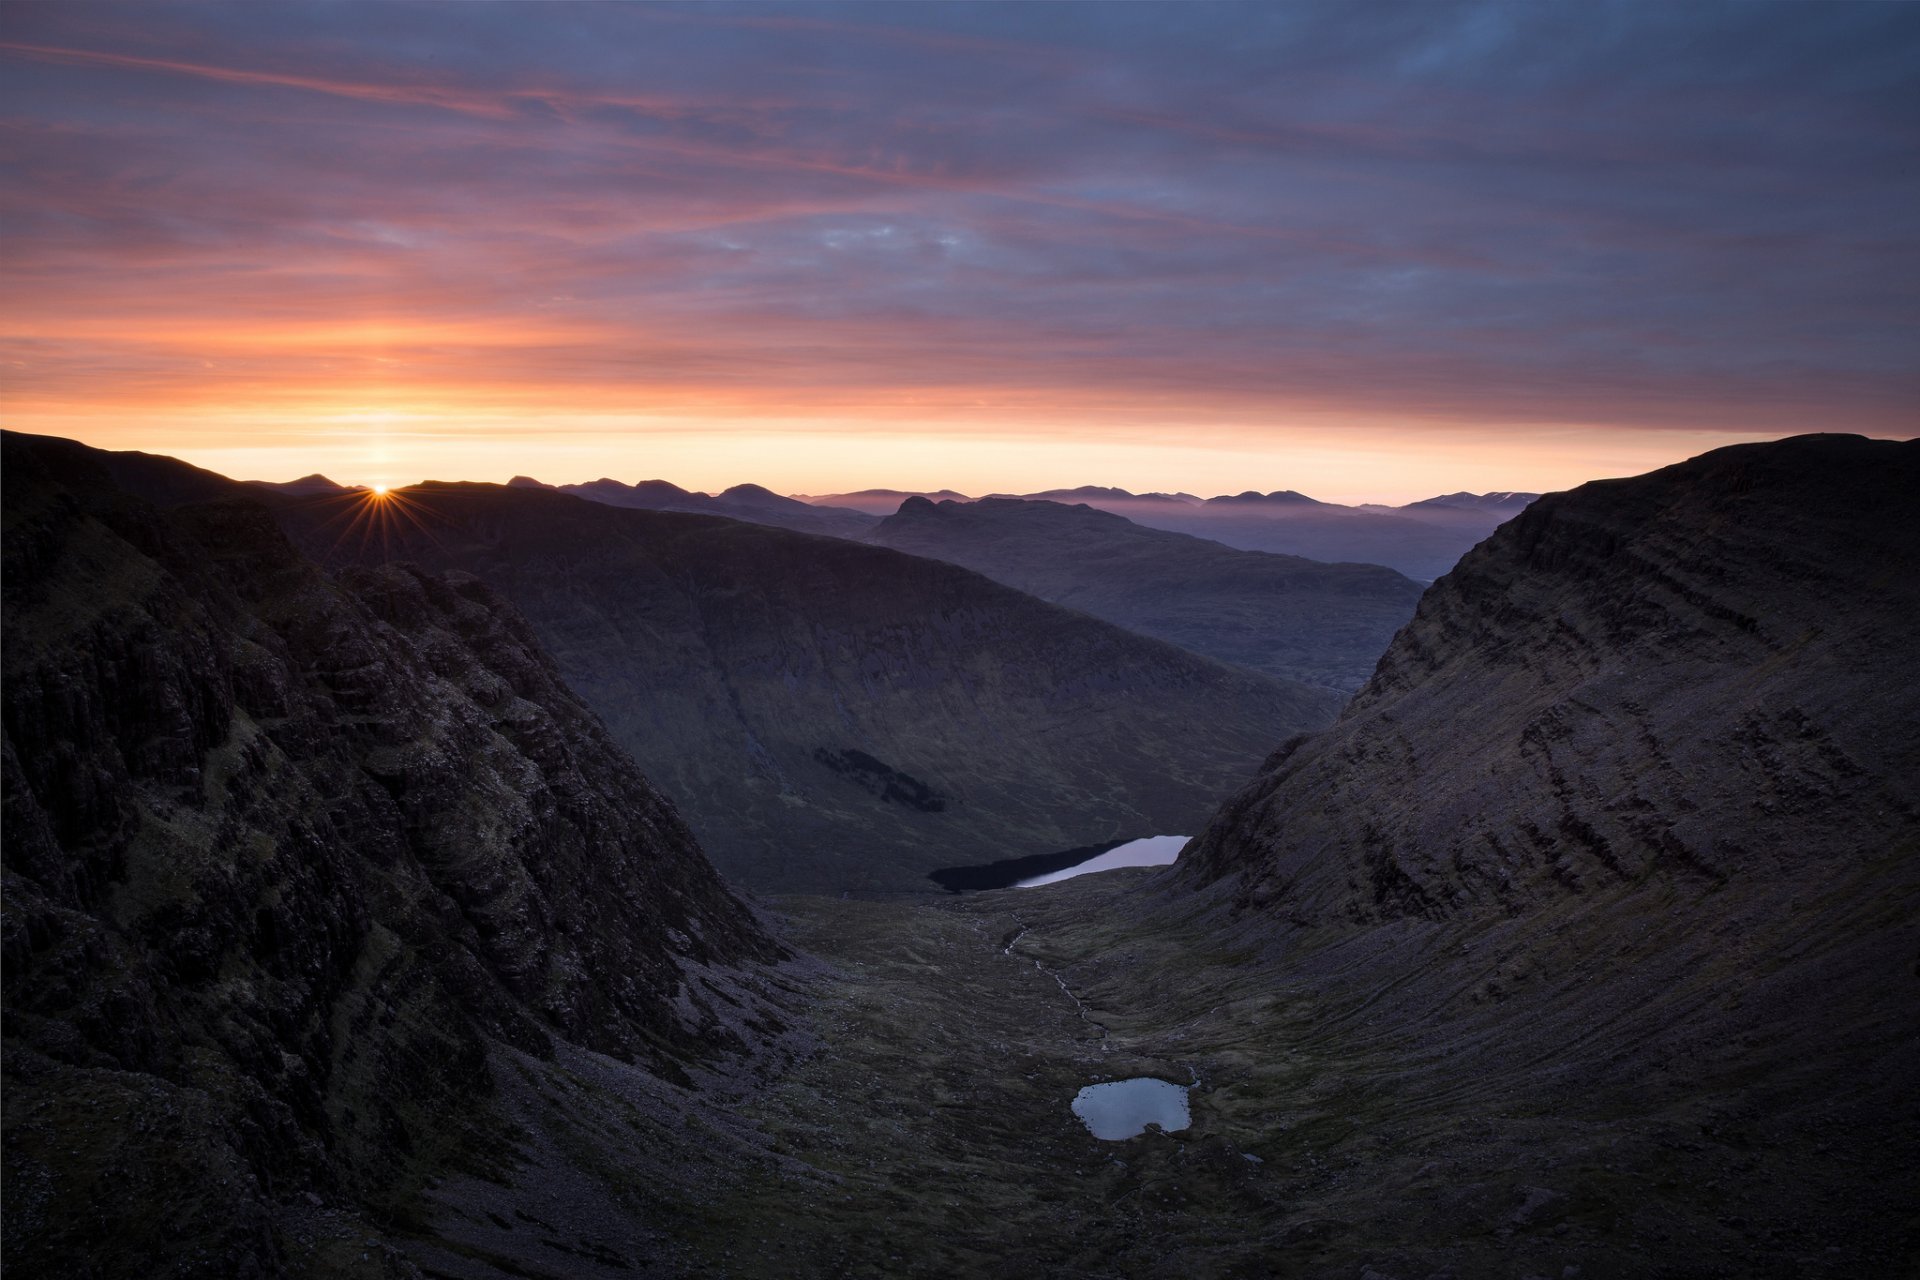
{"type": "Point", "coordinates": [1421, 539]}
{"type": "Point", "coordinates": [343, 936]}
{"type": "Point", "coordinates": [1284, 615]}
{"type": "Point", "coordinates": [828, 715]}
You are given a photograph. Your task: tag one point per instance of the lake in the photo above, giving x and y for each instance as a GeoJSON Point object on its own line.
{"type": "Point", "coordinates": [1152, 851]}
{"type": "Point", "coordinates": [1047, 868]}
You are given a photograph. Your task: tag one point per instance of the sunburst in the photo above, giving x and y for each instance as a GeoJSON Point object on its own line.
{"type": "Point", "coordinates": [382, 516]}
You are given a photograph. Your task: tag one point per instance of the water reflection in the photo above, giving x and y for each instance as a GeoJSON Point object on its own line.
{"type": "Point", "coordinates": [1154, 851]}
{"type": "Point", "coordinates": [1122, 1109]}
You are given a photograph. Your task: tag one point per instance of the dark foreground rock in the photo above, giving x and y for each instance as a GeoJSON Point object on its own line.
{"type": "Point", "coordinates": [295, 869]}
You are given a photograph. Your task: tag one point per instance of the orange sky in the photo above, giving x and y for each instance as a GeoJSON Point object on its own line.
{"type": "Point", "coordinates": [997, 248]}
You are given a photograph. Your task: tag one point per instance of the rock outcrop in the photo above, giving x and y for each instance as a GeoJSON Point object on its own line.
{"type": "Point", "coordinates": [292, 865]}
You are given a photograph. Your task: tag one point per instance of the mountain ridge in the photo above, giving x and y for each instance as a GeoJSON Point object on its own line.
{"type": "Point", "coordinates": [1284, 615]}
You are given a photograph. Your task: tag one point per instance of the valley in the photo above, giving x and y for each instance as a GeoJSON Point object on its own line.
{"type": "Point", "coordinates": [1410, 1125]}
{"type": "Point", "coordinates": [1580, 943]}
{"type": "Point", "coordinates": [972, 641]}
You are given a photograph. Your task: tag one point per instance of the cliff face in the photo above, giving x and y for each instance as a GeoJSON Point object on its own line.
{"type": "Point", "coordinates": [1297, 619]}
{"type": "Point", "coordinates": [289, 861]}
{"type": "Point", "coordinates": [1705, 673]}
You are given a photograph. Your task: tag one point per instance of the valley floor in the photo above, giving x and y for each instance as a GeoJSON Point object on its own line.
{"type": "Point", "coordinates": [932, 1134]}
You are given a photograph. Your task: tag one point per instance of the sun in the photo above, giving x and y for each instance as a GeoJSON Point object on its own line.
{"type": "Point", "coordinates": [379, 491]}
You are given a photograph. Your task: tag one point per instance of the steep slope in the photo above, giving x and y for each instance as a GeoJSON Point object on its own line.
{"type": "Point", "coordinates": [294, 870]}
{"type": "Point", "coordinates": [1705, 670]}
{"type": "Point", "coordinates": [1300, 619]}
{"type": "Point", "coordinates": [828, 715]}
{"type": "Point", "coordinates": [1622, 842]}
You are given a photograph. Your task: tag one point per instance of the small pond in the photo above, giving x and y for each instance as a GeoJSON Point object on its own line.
{"type": "Point", "coordinates": [1122, 1109]}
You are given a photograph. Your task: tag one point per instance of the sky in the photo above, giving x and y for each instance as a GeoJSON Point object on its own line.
{"type": "Point", "coordinates": [1366, 251]}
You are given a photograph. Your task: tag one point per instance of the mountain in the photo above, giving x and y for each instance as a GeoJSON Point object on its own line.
{"type": "Point", "coordinates": [827, 715]}
{"type": "Point", "coordinates": [1321, 623]}
{"type": "Point", "coordinates": [749, 502]}
{"type": "Point", "coordinates": [879, 502]}
{"type": "Point", "coordinates": [305, 485]}
{"type": "Point", "coordinates": [1420, 540]}
{"type": "Point", "coordinates": [1505, 504]}
{"type": "Point", "coordinates": [1286, 498]}
{"type": "Point", "coordinates": [315, 888]}
{"type": "Point", "coordinates": [1619, 852]}
{"type": "Point", "coordinates": [527, 482]}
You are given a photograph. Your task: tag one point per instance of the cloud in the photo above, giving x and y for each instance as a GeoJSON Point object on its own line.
{"type": "Point", "coordinates": [1636, 217]}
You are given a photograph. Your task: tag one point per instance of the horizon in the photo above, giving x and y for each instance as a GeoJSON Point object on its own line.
{"type": "Point", "coordinates": [384, 486]}
{"type": "Point", "coordinates": [1371, 255]}
{"type": "Point", "coordinates": [383, 483]}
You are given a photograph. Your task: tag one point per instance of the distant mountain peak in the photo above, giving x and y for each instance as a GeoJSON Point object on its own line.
{"type": "Point", "coordinates": [1499, 500]}
{"type": "Point", "coordinates": [527, 482]}
{"type": "Point", "coordinates": [315, 483]}
{"type": "Point", "coordinates": [662, 488]}
{"type": "Point", "coordinates": [1279, 497]}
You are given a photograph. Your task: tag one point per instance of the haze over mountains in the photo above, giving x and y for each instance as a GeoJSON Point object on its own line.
{"type": "Point", "coordinates": [1421, 539]}
{"type": "Point", "coordinates": [1284, 615]}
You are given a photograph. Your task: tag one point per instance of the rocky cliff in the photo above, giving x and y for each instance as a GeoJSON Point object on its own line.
{"type": "Point", "coordinates": [293, 866]}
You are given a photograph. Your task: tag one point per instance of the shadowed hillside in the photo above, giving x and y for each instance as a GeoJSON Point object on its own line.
{"type": "Point", "coordinates": [298, 871]}
{"type": "Point", "coordinates": [833, 716]}
{"type": "Point", "coordinates": [749, 502]}
{"type": "Point", "coordinates": [1619, 854]}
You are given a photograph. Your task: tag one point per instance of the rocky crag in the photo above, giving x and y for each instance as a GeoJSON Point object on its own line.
{"type": "Point", "coordinates": [309, 882]}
